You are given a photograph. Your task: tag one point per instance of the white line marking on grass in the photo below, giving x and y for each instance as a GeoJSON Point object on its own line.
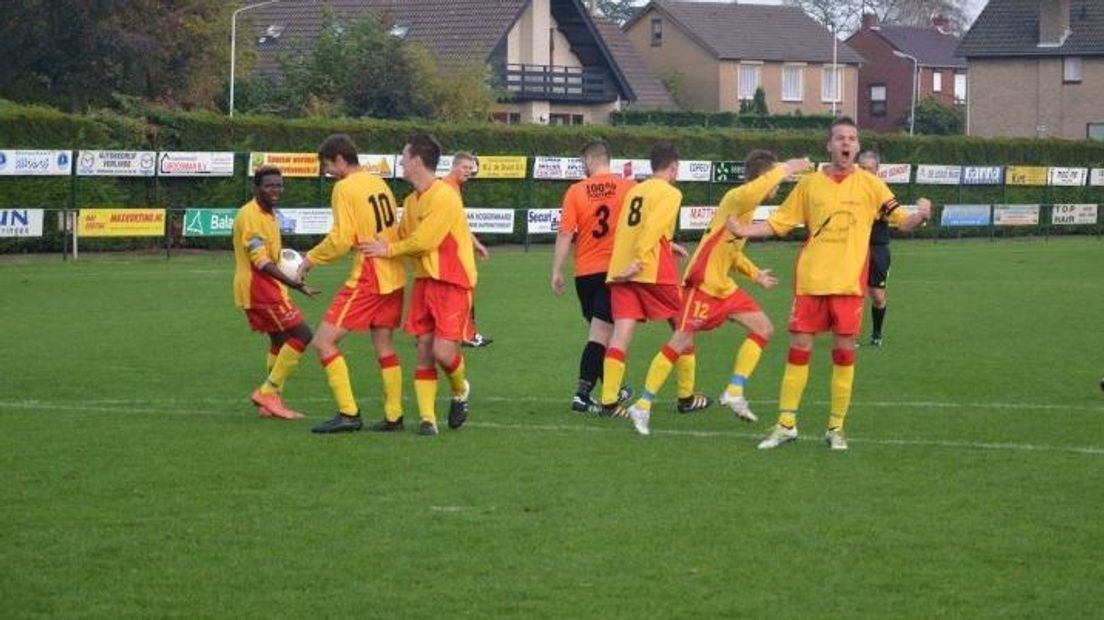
{"type": "Point", "coordinates": [30, 405]}
{"type": "Point", "coordinates": [885, 404]}
{"type": "Point", "coordinates": [1093, 450]}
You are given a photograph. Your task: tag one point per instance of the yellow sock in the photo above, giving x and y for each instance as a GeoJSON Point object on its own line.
{"type": "Point", "coordinates": [613, 373]}
{"type": "Point", "coordinates": [270, 358]}
{"type": "Point", "coordinates": [793, 385]}
{"type": "Point", "coordinates": [391, 379]}
{"type": "Point", "coordinates": [337, 374]}
{"type": "Point", "coordinates": [425, 390]}
{"type": "Point", "coordinates": [285, 364]}
{"type": "Point", "coordinates": [843, 379]}
{"type": "Point", "coordinates": [747, 358]}
{"type": "Point", "coordinates": [658, 371]}
{"type": "Point", "coordinates": [687, 365]}
{"type": "Point", "coordinates": [457, 373]}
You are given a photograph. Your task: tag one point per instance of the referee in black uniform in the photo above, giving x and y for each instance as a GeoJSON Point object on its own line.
{"type": "Point", "coordinates": [879, 259]}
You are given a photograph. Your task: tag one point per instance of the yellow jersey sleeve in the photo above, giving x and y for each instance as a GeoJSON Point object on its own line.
{"type": "Point", "coordinates": [342, 235]}
{"type": "Point", "coordinates": [745, 266]}
{"type": "Point", "coordinates": [255, 240]}
{"type": "Point", "coordinates": [792, 213]}
{"type": "Point", "coordinates": [432, 224]}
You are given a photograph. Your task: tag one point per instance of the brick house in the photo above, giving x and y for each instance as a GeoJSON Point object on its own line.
{"type": "Point", "coordinates": [724, 52]}
{"type": "Point", "coordinates": [554, 63]}
{"type": "Point", "coordinates": [886, 79]}
{"type": "Point", "coordinates": [1036, 69]}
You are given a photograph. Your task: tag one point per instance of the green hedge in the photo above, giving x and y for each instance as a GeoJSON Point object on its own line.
{"type": "Point", "coordinates": [36, 127]}
{"type": "Point", "coordinates": [685, 118]}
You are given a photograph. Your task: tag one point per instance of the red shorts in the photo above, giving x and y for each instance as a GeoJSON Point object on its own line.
{"type": "Point", "coordinates": [812, 314]}
{"type": "Point", "coordinates": [273, 318]}
{"type": "Point", "coordinates": [703, 312]}
{"type": "Point", "coordinates": [439, 308]}
{"type": "Point", "coordinates": [356, 310]}
{"type": "Point", "coordinates": [645, 302]}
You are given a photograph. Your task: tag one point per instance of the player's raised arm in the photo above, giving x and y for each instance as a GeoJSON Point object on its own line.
{"type": "Point", "coordinates": [915, 220]}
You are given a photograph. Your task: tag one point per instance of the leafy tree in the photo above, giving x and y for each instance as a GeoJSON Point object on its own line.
{"type": "Point", "coordinates": [674, 82]}
{"type": "Point", "coordinates": [358, 68]}
{"type": "Point", "coordinates": [757, 105]}
{"type": "Point", "coordinates": [619, 11]}
{"type": "Point", "coordinates": [76, 54]}
{"type": "Point", "coordinates": [846, 15]}
{"type": "Point", "coordinates": [934, 118]}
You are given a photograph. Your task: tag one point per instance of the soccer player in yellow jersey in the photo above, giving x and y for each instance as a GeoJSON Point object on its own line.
{"type": "Point", "coordinates": [464, 166]}
{"type": "Point", "coordinates": [434, 231]}
{"type": "Point", "coordinates": [838, 206]}
{"type": "Point", "coordinates": [260, 289]}
{"type": "Point", "coordinates": [710, 296]}
{"type": "Point", "coordinates": [643, 275]}
{"type": "Point", "coordinates": [372, 298]}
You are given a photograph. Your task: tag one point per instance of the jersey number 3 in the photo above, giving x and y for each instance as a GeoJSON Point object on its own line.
{"type": "Point", "coordinates": [602, 229]}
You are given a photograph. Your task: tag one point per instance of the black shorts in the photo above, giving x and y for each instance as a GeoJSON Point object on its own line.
{"type": "Point", "coordinates": [594, 297]}
{"type": "Point", "coordinates": [879, 266]}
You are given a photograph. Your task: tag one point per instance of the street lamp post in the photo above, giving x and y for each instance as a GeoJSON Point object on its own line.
{"type": "Point", "coordinates": [234, 44]}
{"type": "Point", "coordinates": [915, 87]}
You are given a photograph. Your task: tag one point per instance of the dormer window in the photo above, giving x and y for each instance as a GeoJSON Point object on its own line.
{"type": "Point", "coordinates": [399, 30]}
{"type": "Point", "coordinates": [271, 33]}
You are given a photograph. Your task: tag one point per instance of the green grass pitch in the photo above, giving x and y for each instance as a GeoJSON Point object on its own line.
{"type": "Point", "coordinates": [138, 481]}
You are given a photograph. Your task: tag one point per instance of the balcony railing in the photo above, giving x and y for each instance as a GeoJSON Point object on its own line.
{"type": "Point", "coordinates": [554, 83]}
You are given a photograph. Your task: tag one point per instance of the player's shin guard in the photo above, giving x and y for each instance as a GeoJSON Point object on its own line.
{"type": "Point", "coordinates": [843, 378]}
{"type": "Point", "coordinates": [747, 358]}
{"type": "Point", "coordinates": [286, 363]}
{"type": "Point", "coordinates": [658, 372]}
{"type": "Point", "coordinates": [457, 373]}
{"type": "Point", "coordinates": [425, 390]}
{"type": "Point", "coordinates": [337, 375]}
{"type": "Point", "coordinates": [391, 379]}
{"type": "Point", "coordinates": [794, 379]}
{"type": "Point", "coordinates": [687, 365]}
{"type": "Point", "coordinates": [613, 372]}
{"type": "Point", "coordinates": [590, 365]}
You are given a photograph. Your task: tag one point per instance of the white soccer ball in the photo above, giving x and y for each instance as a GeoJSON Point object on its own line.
{"type": "Point", "coordinates": [289, 263]}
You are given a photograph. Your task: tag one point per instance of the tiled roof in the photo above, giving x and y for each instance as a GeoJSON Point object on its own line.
{"type": "Point", "coordinates": [753, 31]}
{"type": "Point", "coordinates": [649, 92]}
{"type": "Point", "coordinates": [454, 31]}
{"type": "Point", "coordinates": [1011, 28]}
{"type": "Point", "coordinates": [930, 46]}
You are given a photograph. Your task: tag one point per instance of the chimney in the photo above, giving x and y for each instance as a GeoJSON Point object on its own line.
{"type": "Point", "coordinates": [941, 23]}
{"type": "Point", "coordinates": [869, 20]}
{"type": "Point", "coordinates": [1054, 22]}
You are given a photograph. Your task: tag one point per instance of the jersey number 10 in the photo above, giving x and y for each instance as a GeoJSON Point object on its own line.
{"type": "Point", "coordinates": [385, 213]}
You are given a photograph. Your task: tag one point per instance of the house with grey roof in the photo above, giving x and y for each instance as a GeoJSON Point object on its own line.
{"type": "Point", "coordinates": [898, 56]}
{"type": "Point", "coordinates": [722, 53]}
{"type": "Point", "coordinates": [1036, 68]}
{"type": "Point", "coordinates": [552, 61]}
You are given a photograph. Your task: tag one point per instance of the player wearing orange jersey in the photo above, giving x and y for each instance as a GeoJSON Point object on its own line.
{"type": "Point", "coordinates": [838, 207]}
{"type": "Point", "coordinates": [260, 290]}
{"type": "Point", "coordinates": [434, 231]}
{"type": "Point", "coordinates": [372, 298]}
{"type": "Point", "coordinates": [464, 165]}
{"type": "Point", "coordinates": [590, 211]}
{"type": "Point", "coordinates": [711, 297]}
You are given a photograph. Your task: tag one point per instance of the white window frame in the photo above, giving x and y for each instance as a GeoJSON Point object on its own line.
{"type": "Point", "coordinates": [741, 93]}
{"type": "Point", "coordinates": [960, 88]}
{"type": "Point", "coordinates": [1072, 70]}
{"type": "Point", "coordinates": [826, 96]}
{"type": "Point", "coordinates": [937, 81]}
{"type": "Point", "coordinates": [800, 68]}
